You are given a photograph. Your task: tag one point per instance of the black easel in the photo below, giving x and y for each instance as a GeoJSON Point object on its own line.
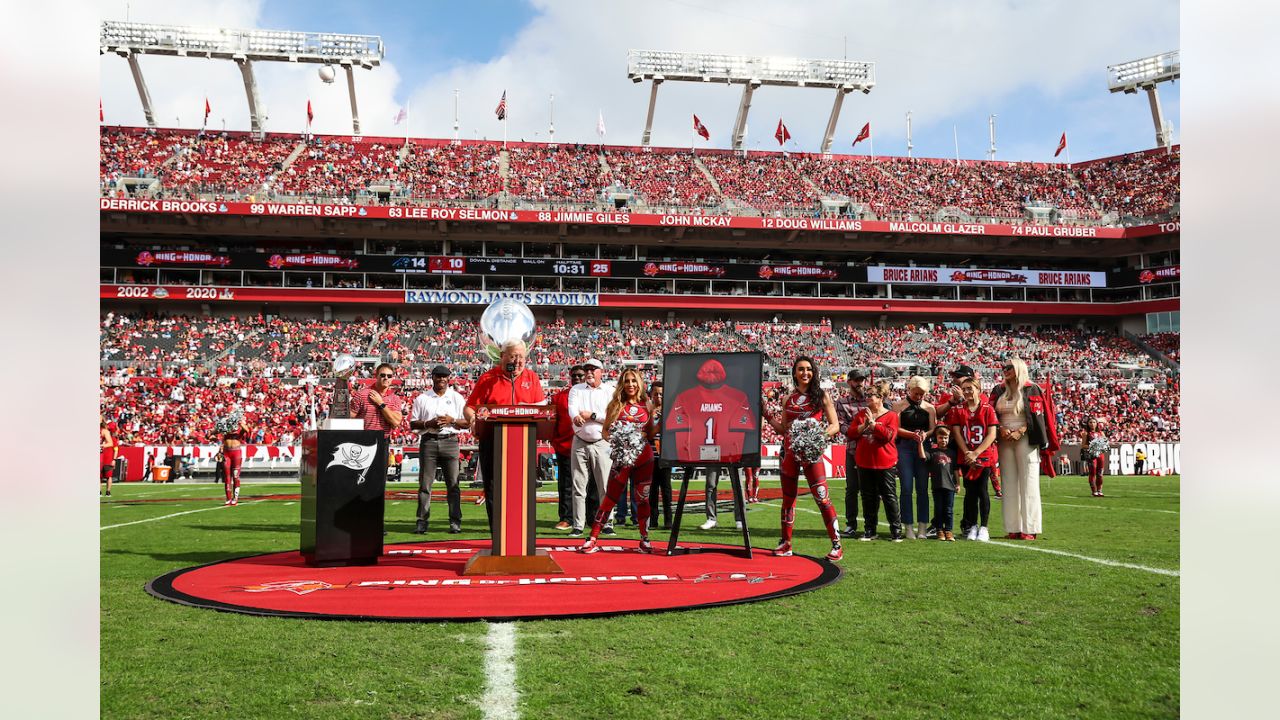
{"type": "Point", "coordinates": [738, 503]}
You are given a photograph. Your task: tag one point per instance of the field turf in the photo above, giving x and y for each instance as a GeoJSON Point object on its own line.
{"type": "Point", "coordinates": [913, 630]}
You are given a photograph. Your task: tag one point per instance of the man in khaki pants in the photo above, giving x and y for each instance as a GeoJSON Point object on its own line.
{"type": "Point", "coordinates": [588, 402]}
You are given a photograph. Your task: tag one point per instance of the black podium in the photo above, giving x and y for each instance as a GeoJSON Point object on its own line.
{"type": "Point", "coordinates": [344, 477]}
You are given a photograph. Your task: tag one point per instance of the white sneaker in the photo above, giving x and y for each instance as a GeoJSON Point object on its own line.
{"type": "Point", "coordinates": [922, 530]}
{"type": "Point", "coordinates": [707, 525]}
{"type": "Point", "coordinates": [972, 534]}
{"type": "Point", "coordinates": [983, 535]}
{"type": "Point", "coordinates": [911, 532]}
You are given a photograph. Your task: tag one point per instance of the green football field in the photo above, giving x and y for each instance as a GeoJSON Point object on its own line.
{"type": "Point", "coordinates": [1082, 623]}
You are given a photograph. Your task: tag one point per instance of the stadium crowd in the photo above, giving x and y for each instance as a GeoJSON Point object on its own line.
{"type": "Point", "coordinates": [167, 379]}
{"type": "Point", "coordinates": [423, 171]}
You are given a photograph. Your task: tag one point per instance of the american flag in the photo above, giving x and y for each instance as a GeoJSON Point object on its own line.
{"type": "Point", "coordinates": [501, 112]}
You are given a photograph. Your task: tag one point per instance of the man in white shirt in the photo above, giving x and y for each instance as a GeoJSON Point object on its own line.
{"type": "Point", "coordinates": [588, 402]}
{"type": "Point", "coordinates": [437, 414]}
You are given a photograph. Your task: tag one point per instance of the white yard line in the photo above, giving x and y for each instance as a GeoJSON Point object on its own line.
{"type": "Point", "coordinates": [185, 512]}
{"type": "Point", "coordinates": [1100, 561]}
{"type": "Point", "coordinates": [1112, 507]}
{"type": "Point", "coordinates": [1027, 546]}
{"type": "Point", "coordinates": [500, 694]}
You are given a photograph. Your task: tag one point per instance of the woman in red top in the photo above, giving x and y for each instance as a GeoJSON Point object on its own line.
{"type": "Point", "coordinates": [110, 451]}
{"type": "Point", "coordinates": [875, 429]}
{"type": "Point", "coordinates": [630, 403]}
{"type": "Point", "coordinates": [1091, 454]}
{"type": "Point", "coordinates": [809, 400]}
{"type": "Point", "coordinates": [232, 459]}
{"type": "Point", "coordinates": [973, 425]}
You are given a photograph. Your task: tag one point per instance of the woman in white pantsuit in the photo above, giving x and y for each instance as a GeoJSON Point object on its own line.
{"type": "Point", "coordinates": [1026, 428]}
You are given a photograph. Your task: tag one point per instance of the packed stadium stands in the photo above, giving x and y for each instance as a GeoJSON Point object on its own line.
{"type": "Point", "coordinates": [420, 171]}
{"type": "Point", "coordinates": [167, 379]}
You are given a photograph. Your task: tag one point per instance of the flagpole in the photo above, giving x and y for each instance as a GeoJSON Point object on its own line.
{"type": "Point", "coordinates": [955, 135]}
{"type": "Point", "coordinates": [871, 144]}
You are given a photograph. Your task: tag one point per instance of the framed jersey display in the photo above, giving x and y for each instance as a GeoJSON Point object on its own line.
{"type": "Point", "coordinates": [711, 409]}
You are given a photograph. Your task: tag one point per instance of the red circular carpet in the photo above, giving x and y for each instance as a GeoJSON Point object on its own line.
{"type": "Point", "coordinates": [424, 582]}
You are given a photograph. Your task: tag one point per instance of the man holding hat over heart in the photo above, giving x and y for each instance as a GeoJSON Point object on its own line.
{"type": "Point", "coordinates": [438, 415]}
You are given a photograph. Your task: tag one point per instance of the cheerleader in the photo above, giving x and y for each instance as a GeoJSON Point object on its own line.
{"type": "Point", "coordinates": [234, 435]}
{"type": "Point", "coordinates": [109, 451]}
{"type": "Point", "coordinates": [1093, 452]}
{"type": "Point", "coordinates": [630, 404]}
{"type": "Point", "coordinates": [807, 400]}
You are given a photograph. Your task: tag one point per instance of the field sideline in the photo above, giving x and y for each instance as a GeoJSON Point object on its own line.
{"type": "Point", "coordinates": [1082, 623]}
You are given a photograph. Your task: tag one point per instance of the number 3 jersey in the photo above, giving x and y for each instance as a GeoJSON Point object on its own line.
{"type": "Point", "coordinates": [703, 417]}
{"type": "Point", "coordinates": [973, 424]}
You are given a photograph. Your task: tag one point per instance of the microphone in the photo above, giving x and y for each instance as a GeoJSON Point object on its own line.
{"type": "Point", "coordinates": [511, 368]}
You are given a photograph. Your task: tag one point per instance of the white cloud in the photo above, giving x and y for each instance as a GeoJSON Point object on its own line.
{"type": "Point", "coordinates": [937, 58]}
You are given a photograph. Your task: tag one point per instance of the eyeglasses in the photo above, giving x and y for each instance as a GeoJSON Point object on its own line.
{"type": "Point", "coordinates": [385, 375]}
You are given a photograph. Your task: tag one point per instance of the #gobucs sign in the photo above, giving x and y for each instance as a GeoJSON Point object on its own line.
{"type": "Point", "coordinates": [355, 457]}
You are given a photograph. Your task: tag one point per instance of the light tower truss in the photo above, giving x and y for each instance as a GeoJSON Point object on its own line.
{"type": "Point", "coordinates": [1145, 74]}
{"type": "Point", "coordinates": [244, 47]}
{"type": "Point", "coordinates": [844, 76]}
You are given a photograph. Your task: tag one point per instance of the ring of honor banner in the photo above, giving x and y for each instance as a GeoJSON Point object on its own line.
{"type": "Point", "coordinates": [711, 409]}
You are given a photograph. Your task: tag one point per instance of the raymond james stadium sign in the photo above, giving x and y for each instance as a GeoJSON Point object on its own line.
{"type": "Point", "coordinates": [484, 297]}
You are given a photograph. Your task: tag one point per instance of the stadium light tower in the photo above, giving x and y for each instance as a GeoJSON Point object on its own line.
{"type": "Point", "coordinates": [844, 76]}
{"type": "Point", "coordinates": [1145, 74]}
{"type": "Point", "coordinates": [131, 39]}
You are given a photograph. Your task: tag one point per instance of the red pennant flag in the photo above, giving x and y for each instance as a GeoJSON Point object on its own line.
{"type": "Point", "coordinates": [701, 129]}
{"type": "Point", "coordinates": [866, 133]}
{"type": "Point", "coordinates": [1062, 145]}
{"type": "Point", "coordinates": [782, 135]}
{"type": "Point", "coordinates": [501, 110]}
{"type": "Point", "coordinates": [207, 110]}
{"type": "Point", "coordinates": [310, 115]}
{"type": "Point", "coordinates": [101, 118]}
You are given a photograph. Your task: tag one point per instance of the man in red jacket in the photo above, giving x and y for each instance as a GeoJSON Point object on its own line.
{"type": "Point", "coordinates": [508, 383]}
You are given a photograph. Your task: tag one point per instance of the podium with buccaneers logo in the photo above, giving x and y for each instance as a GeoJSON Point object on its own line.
{"type": "Point", "coordinates": [344, 477]}
{"type": "Point", "coordinates": [516, 429]}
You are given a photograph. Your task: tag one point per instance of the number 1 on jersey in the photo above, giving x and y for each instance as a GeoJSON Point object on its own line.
{"type": "Point", "coordinates": [711, 432]}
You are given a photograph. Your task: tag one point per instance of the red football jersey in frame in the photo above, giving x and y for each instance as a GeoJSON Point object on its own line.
{"type": "Point", "coordinates": [711, 424]}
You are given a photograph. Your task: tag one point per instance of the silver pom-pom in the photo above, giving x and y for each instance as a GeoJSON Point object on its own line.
{"type": "Point", "coordinates": [808, 440]}
{"type": "Point", "coordinates": [626, 442]}
{"type": "Point", "coordinates": [1098, 447]}
{"type": "Point", "coordinates": [229, 423]}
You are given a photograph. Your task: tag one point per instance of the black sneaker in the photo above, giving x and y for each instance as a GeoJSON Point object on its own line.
{"type": "Point", "coordinates": [608, 530]}
{"type": "Point", "coordinates": [849, 531]}
{"type": "Point", "coordinates": [896, 536]}
{"type": "Point", "coordinates": [454, 528]}
{"type": "Point", "coordinates": [868, 536]}
{"type": "Point", "coordinates": [421, 529]}
{"type": "Point", "coordinates": [931, 533]}
{"type": "Point", "coordinates": [576, 532]}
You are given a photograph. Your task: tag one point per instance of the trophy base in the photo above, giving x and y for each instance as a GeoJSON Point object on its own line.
{"type": "Point", "coordinates": [343, 424]}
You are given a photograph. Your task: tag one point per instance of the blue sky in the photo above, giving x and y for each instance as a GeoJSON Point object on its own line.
{"type": "Point", "coordinates": [1039, 66]}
